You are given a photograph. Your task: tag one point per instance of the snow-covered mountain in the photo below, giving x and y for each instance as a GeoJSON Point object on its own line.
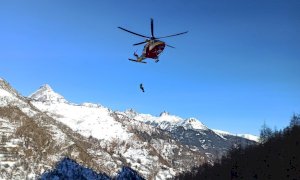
{"type": "Point", "coordinates": [46, 94]}
{"type": "Point", "coordinates": [194, 134]}
{"type": "Point", "coordinates": [39, 130]}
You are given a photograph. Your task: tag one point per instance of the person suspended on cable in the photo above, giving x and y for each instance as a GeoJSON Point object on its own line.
{"type": "Point", "coordinates": [142, 87]}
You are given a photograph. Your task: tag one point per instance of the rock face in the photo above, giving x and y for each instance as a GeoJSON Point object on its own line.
{"type": "Point", "coordinates": [41, 130]}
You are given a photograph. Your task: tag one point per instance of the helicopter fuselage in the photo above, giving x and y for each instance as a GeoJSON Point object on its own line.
{"type": "Point", "coordinates": [153, 49]}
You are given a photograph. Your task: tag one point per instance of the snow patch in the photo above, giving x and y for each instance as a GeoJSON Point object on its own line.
{"type": "Point", "coordinates": [246, 136]}
{"type": "Point", "coordinates": [250, 137]}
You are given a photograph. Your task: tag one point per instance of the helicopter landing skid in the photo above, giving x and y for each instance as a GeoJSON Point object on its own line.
{"type": "Point", "coordinates": [137, 61]}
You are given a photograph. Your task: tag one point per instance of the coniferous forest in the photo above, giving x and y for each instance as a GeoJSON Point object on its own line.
{"type": "Point", "coordinates": [276, 157]}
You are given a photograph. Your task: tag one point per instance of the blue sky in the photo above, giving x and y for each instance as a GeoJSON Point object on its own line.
{"type": "Point", "coordinates": [237, 67]}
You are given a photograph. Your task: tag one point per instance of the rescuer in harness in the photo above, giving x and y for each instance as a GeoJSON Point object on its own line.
{"type": "Point", "coordinates": [141, 87]}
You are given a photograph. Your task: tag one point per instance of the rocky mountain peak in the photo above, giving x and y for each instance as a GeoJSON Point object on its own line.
{"type": "Point", "coordinates": [193, 123]}
{"type": "Point", "coordinates": [46, 87]}
{"type": "Point", "coordinates": [131, 113]}
{"type": "Point", "coordinates": [46, 93]}
{"type": "Point", "coordinates": [164, 113]}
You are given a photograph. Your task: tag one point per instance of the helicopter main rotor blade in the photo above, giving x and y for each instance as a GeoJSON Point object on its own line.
{"type": "Point", "coordinates": [172, 35]}
{"type": "Point", "coordinates": [133, 32]}
{"type": "Point", "coordinates": [152, 28]}
{"type": "Point", "coordinates": [139, 43]}
{"type": "Point", "coordinates": [170, 46]}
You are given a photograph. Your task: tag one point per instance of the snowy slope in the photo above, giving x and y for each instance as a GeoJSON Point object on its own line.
{"type": "Point", "coordinates": [5, 96]}
{"type": "Point", "coordinates": [10, 97]}
{"type": "Point", "coordinates": [250, 137]}
{"type": "Point", "coordinates": [87, 119]}
{"type": "Point", "coordinates": [246, 136]}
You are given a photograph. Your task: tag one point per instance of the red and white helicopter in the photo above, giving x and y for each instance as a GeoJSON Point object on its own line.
{"type": "Point", "coordinates": [153, 46]}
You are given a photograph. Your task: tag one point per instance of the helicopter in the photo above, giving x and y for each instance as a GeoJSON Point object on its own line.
{"type": "Point", "coordinates": [153, 47]}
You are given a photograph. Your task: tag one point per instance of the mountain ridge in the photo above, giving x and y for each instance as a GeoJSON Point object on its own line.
{"type": "Point", "coordinates": [98, 137]}
{"type": "Point", "coordinates": [43, 139]}
{"type": "Point", "coordinates": [186, 131]}
{"type": "Point", "coordinates": [48, 94]}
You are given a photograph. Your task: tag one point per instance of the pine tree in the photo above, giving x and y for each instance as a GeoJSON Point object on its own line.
{"type": "Point", "coordinates": [295, 120]}
{"type": "Point", "coordinates": [265, 133]}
